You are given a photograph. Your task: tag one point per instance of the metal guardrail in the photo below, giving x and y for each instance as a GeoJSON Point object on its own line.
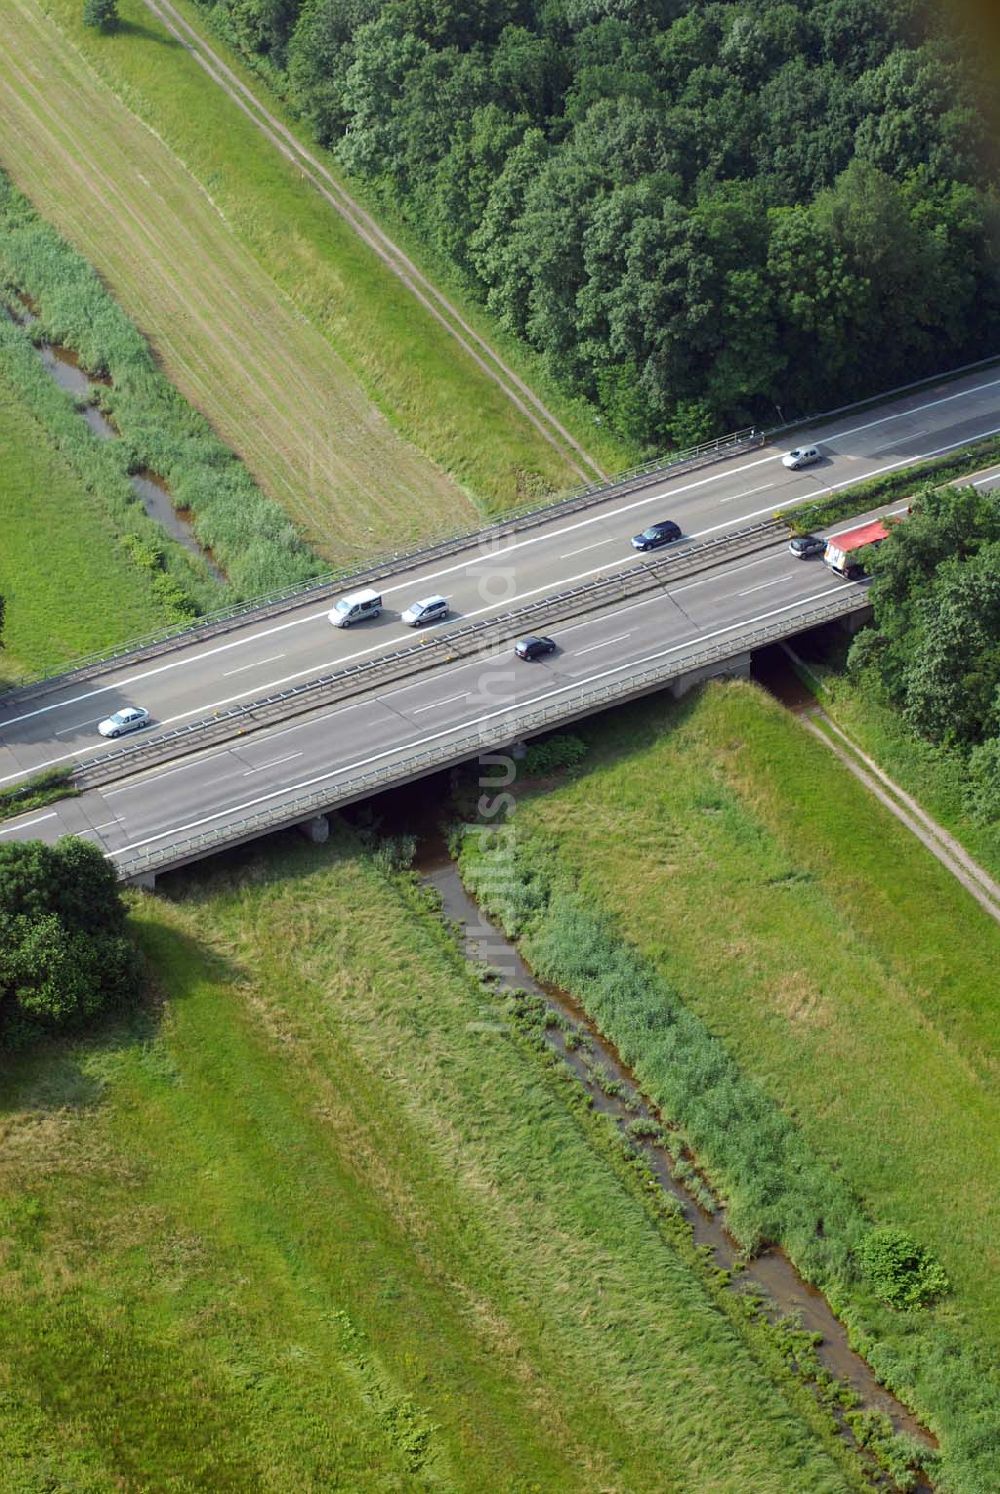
{"type": "Point", "coordinates": [334, 582]}
{"type": "Point", "coordinates": [799, 422]}
{"type": "Point", "coordinates": [225, 618]}
{"type": "Point", "coordinates": [509, 728]}
{"type": "Point", "coordinates": [440, 648]}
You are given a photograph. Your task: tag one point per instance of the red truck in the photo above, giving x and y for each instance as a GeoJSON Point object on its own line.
{"type": "Point", "coordinates": [842, 549]}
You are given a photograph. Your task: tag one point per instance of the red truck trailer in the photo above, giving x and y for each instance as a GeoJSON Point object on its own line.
{"type": "Point", "coordinates": [842, 549]}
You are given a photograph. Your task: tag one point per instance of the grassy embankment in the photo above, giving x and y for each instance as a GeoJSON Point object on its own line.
{"type": "Point", "coordinates": [69, 586]}
{"type": "Point", "coordinates": [931, 774]}
{"type": "Point", "coordinates": [323, 1219]}
{"type": "Point", "coordinates": [806, 992]}
{"type": "Point", "coordinates": [331, 369]}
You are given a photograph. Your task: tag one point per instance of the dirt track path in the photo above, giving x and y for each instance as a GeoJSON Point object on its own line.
{"type": "Point", "coordinates": [941, 844]}
{"type": "Point", "coordinates": [438, 305]}
{"type": "Point", "coordinates": [268, 380]}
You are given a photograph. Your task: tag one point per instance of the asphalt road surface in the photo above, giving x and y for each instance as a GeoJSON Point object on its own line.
{"type": "Point", "coordinates": [382, 727]}
{"type": "Point", "coordinates": [262, 656]}
{"type": "Point", "coordinates": [182, 798]}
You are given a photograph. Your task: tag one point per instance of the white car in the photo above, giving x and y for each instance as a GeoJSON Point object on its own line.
{"type": "Point", "coordinates": [802, 456]}
{"type": "Point", "coordinates": [357, 607]}
{"type": "Point", "coordinates": [129, 718]}
{"type": "Point", "coordinates": [431, 609]}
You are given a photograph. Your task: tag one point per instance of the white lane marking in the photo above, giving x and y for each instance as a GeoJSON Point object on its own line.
{"type": "Point", "coordinates": [138, 783]}
{"type": "Point", "coordinates": [64, 731]}
{"type": "Point", "coordinates": [713, 575]}
{"type": "Point", "coordinates": [436, 704]}
{"type": "Point", "coordinates": [591, 646]}
{"type": "Point", "coordinates": [849, 482]}
{"type": "Point", "coordinates": [567, 581]}
{"type": "Point", "coordinates": [481, 720]}
{"type": "Point", "coordinates": [465, 565]}
{"type": "Point", "coordinates": [609, 539]}
{"type": "Point", "coordinates": [735, 497]}
{"type": "Point", "coordinates": [313, 669]}
{"type": "Point", "coordinates": [257, 664]}
{"type": "Point", "coordinates": [107, 824]}
{"type": "Point", "coordinates": [273, 764]}
{"type": "Point", "coordinates": [547, 534]}
{"type": "Point", "coordinates": [931, 404]}
{"type": "Point", "coordinates": [287, 679]}
{"type": "Point", "coordinates": [764, 585]}
{"type": "Point", "coordinates": [27, 826]}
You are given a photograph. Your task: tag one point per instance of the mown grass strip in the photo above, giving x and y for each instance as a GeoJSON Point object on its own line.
{"type": "Point", "coordinates": [352, 1232]}
{"type": "Point", "coordinates": [805, 992]}
{"type": "Point", "coordinates": [402, 427]}
{"type": "Point", "coordinates": [35, 792]}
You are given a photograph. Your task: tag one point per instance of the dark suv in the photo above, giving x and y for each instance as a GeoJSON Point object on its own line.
{"type": "Point", "coordinates": [657, 535]}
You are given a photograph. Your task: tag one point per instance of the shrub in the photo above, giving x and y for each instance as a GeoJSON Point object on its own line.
{"type": "Point", "coordinates": [563, 751]}
{"type": "Point", "coordinates": [102, 15]}
{"type": "Point", "coordinates": [64, 954]}
{"type": "Point", "coordinates": [902, 1272]}
{"type": "Point", "coordinates": [983, 785]}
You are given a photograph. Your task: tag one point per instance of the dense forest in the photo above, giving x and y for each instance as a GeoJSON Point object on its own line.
{"type": "Point", "coordinates": [701, 212]}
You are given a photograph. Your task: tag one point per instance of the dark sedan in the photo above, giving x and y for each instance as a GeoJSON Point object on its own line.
{"type": "Point", "coordinates": [534, 647]}
{"type": "Point", "coordinates": [657, 535]}
{"type": "Point", "coordinates": [804, 545]}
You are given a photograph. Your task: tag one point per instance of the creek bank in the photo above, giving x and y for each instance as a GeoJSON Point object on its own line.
{"type": "Point", "coordinates": [613, 1090]}
{"type": "Point", "coordinates": [152, 491]}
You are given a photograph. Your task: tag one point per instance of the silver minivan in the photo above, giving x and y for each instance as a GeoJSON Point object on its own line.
{"type": "Point", "coordinates": [431, 609]}
{"type": "Point", "coordinates": [356, 607]}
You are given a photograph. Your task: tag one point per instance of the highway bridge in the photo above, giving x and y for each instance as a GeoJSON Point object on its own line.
{"type": "Point", "coordinates": [270, 716]}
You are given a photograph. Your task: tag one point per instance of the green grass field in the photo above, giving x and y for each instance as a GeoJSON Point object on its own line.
{"type": "Point", "coordinates": [931, 774]}
{"type": "Point", "coordinates": [317, 1219]}
{"type": "Point", "coordinates": [843, 968]}
{"type": "Point", "coordinates": [347, 402]}
{"type": "Point", "coordinates": [68, 585]}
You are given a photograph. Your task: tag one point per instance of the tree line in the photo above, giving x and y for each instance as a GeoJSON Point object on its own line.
{"type": "Point", "coordinates": [933, 653]}
{"type": "Point", "coordinates": [701, 212]}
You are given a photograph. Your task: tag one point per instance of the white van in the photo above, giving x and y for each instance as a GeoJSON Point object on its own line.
{"type": "Point", "coordinates": [355, 608]}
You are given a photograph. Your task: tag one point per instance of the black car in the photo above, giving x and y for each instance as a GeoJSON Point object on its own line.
{"type": "Point", "coordinates": [534, 647]}
{"type": "Point", "coordinates": [657, 535]}
{"type": "Point", "coordinates": [804, 545]}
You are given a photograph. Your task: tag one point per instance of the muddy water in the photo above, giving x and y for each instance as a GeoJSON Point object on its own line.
{"type": "Point", "coordinates": [772, 1273]}
{"type": "Point", "coordinates": [154, 495]}
{"type": "Point", "coordinates": [151, 490]}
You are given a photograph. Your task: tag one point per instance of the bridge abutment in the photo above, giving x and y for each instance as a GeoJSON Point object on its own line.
{"type": "Point", "coordinates": [316, 830]}
{"type": "Point", "coordinates": [853, 622]}
{"type": "Point", "coordinates": [736, 668]}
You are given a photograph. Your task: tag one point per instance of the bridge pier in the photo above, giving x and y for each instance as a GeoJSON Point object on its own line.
{"type": "Point", "coordinates": [736, 668]}
{"type": "Point", "coordinates": [147, 881]}
{"type": "Point", "coordinates": [316, 830]}
{"type": "Point", "coordinates": [853, 622]}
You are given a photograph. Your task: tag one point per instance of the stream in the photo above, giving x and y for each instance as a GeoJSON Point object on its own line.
{"type": "Point", "coordinates": [151, 490]}
{"type": "Point", "coordinates": [599, 1069]}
